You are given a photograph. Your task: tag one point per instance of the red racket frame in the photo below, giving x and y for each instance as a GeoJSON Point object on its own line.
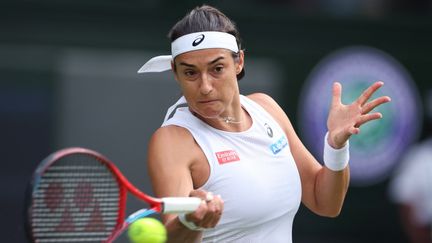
{"type": "Point", "coordinates": [125, 186]}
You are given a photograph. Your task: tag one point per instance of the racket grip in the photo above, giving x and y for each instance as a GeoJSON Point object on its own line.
{"type": "Point", "coordinates": [180, 204]}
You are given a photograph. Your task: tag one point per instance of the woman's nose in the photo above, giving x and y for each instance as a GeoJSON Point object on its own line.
{"type": "Point", "coordinates": [206, 86]}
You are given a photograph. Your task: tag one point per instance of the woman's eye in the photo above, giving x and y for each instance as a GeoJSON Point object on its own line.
{"type": "Point", "coordinates": [189, 73]}
{"type": "Point", "coordinates": [219, 69]}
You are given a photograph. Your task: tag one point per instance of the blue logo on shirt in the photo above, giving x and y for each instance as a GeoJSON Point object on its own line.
{"type": "Point", "coordinates": [279, 145]}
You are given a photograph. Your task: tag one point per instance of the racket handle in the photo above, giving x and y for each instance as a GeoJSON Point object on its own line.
{"type": "Point", "coordinates": [180, 204]}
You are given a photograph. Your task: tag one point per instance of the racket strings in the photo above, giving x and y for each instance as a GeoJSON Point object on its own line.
{"type": "Point", "coordinates": [76, 200]}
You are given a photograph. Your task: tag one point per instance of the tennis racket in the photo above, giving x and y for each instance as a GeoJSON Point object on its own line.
{"type": "Point", "coordinates": [78, 195]}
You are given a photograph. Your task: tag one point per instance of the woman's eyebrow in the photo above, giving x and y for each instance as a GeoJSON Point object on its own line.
{"type": "Point", "coordinates": [209, 63]}
{"type": "Point", "coordinates": [215, 60]}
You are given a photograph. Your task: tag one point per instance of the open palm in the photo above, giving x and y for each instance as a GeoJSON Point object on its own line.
{"type": "Point", "coordinates": [345, 120]}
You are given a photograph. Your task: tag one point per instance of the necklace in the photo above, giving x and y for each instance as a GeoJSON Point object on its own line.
{"type": "Point", "coordinates": [226, 119]}
{"type": "Point", "coordinates": [230, 119]}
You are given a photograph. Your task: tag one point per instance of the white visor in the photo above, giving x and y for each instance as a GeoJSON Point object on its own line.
{"type": "Point", "coordinates": [190, 42]}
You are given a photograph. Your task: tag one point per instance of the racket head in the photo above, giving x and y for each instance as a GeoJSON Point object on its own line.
{"type": "Point", "coordinates": [78, 195]}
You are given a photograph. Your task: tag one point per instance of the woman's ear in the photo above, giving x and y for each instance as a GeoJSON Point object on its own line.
{"type": "Point", "coordinates": [240, 63]}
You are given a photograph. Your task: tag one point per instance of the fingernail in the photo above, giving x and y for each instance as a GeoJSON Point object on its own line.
{"type": "Point", "coordinates": [220, 197]}
{"type": "Point", "coordinates": [209, 196]}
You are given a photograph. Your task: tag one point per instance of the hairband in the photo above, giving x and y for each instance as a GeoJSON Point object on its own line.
{"type": "Point", "coordinates": [190, 42]}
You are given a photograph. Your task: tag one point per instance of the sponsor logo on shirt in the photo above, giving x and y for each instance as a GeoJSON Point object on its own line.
{"type": "Point", "coordinates": [227, 156]}
{"type": "Point", "coordinates": [269, 130]}
{"type": "Point", "coordinates": [280, 144]}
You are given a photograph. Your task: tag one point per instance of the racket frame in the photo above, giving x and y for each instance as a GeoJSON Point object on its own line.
{"type": "Point", "coordinates": [156, 205]}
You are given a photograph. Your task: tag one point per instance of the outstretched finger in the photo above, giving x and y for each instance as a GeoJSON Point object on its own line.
{"type": "Point", "coordinates": [368, 117]}
{"type": "Point", "coordinates": [337, 92]}
{"type": "Point", "coordinates": [364, 97]}
{"type": "Point", "coordinates": [368, 107]}
{"type": "Point", "coordinates": [354, 130]}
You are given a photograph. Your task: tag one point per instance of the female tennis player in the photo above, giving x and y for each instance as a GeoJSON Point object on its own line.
{"type": "Point", "coordinates": [240, 154]}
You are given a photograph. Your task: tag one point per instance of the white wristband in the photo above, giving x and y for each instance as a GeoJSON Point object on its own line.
{"type": "Point", "coordinates": [335, 159]}
{"type": "Point", "coordinates": [188, 224]}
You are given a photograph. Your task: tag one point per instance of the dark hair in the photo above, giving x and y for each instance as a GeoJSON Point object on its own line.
{"type": "Point", "coordinates": [206, 18]}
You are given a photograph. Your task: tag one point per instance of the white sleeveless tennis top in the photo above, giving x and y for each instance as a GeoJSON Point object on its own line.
{"type": "Point", "coordinates": [253, 171]}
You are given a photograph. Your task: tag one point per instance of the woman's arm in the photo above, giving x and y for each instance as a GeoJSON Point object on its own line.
{"type": "Point", "coordinates": [170, 158]}
{"type": "Point", "coordinates": [324, 190]}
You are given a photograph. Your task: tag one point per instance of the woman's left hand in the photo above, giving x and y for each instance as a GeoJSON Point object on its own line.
{"type": "Point", "coordinates": [345, 120]}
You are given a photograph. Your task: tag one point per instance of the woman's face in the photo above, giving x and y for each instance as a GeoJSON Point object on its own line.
{"type": "Point", "coordinates": [208, 80]}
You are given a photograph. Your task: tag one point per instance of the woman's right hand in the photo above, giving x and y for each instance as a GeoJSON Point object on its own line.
{"type": "Point", "coordinates": [209, 212]}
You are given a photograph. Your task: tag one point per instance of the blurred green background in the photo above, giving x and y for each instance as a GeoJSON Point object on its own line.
{"type": "Point", "coordinates": [35, 37]}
